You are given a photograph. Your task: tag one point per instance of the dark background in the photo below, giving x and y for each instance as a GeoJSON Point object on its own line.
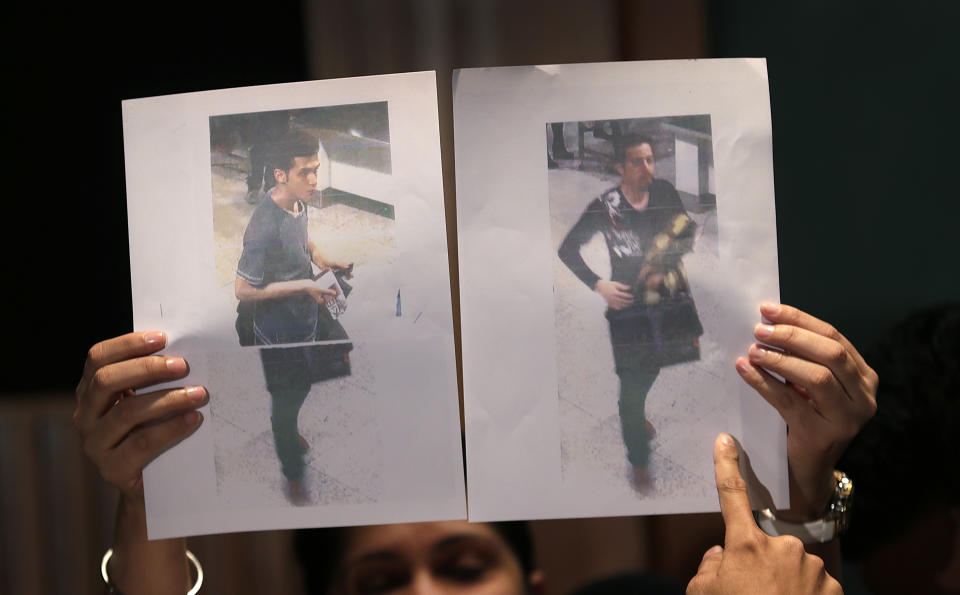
{"type": "Point", "coordinates": [865, 136]}
{"type": "Point", "coordinates": [864, 133]}
{"type": "Point", "coordinates": [67, 239]}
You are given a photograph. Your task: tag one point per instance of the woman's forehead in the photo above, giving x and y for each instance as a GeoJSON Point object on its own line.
{"type": "Point", "coordinates": [412, 536]}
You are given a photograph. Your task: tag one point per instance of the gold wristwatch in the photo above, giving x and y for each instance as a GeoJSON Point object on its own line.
{"type": "Point", "coordinates": [832, 525]}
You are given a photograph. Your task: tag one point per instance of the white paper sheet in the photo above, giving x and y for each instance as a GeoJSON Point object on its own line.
{"type": "Point", "coordinates": [541, 396]}
{"type": "Point", "coordinates": [385, 440]}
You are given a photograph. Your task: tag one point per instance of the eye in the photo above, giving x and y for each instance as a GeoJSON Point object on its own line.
{"type": "Point", "coordinates": [465, 566]}
{"type": "Point", "coordinates": [377, 579]}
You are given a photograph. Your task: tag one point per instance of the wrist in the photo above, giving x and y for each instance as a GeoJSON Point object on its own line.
{"type": "Point", "coordinates": [810, 494]}
{"type": "Point", "coordinates": [810, 472]}
{"type": "Point", "coordinates": [132, 513]}
{"type": "Point", "coordinates": [829, 525]}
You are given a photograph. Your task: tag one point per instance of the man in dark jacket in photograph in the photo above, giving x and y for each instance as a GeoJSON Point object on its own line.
{"type": "Point", "coordinates": [652, 318]}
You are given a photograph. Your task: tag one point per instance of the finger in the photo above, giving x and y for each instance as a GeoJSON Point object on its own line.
{"type": "Point", "coordinates": [141, 409]}
{"type": "Point", "coordinates": [830, 585]}
{"type": "Point", "coordinates": [732, 490]}
{"type": "Point", "coordinates": [121, 348]}
{"type": "Point", "coordinates": [783, 314]}
{"type": "Point", "coordinates": [620, 286]}
{"type": "Point", "coordinates": [123, 465]}
{"type": "Point", "coordinates": [816, 348]}
{"type": "Point", "coordinates": [710, 562]}
{"type": "Point", "coordinates": [823, 388]}
{"type": "Point", "coordinates": [789, 401]}
{"type": "Point", "coordinates": [107, 382]}
{"type": "Point", "coordinates": [811, 568]}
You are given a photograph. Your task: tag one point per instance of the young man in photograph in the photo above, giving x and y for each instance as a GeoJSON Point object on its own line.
{"type": "Point", "coordinates": [651, 316]}
{"type": "Point", "coordinates": [275, 281]}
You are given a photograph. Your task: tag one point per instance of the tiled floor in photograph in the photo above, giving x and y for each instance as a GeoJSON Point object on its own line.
{"type": "Point", "coordinates": [338, 419]}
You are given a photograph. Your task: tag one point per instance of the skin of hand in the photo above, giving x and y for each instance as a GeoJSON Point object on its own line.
{"type": "Point", "coordinates": [617, 295]}
{"type": "Point", "coordinates": [321, 295]}
{"type": "Point", "coordinates": [246, 292]}
{"type": "Point", "coordinates": [829, 394]}
{"type": "Point", "coordinates": [122, 431]}
{"type": "Point", "coordinates": [751, 561]}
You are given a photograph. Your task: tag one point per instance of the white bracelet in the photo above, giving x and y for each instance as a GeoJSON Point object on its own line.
{"type": "Point", "coordinates": [193, 560]}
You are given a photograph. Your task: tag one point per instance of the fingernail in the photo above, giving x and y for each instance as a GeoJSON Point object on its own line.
{"type": "Point", "coordinates": [726, 440]}
{"type": "Point", "coordinates": [757, 352]}
{"type": "Point", "coordinates": [743, 366]}
{"type": "Point", "coordinates": [190, 418]}
{"type": "Point", "coordinates": [153, 337]}
{"type": "Point", "coordinates": [715, 550]}
{"type": "Point", "coordinates": [195, 393]}
{"type": "Point", "coordinates": [763, 331]}
{"type": "Point", "coordinates": [176, 364]}
{"type": "Point", "coordinates": [769, 309]}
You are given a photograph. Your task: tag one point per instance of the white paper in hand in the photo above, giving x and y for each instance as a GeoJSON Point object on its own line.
{"type": "Point", "coordinates": [599, 328]}
{"type": "Point", "coordinates": [222, 212]}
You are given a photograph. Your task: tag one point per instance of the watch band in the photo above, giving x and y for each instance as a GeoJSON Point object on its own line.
{"type": "Point", "coordinates": [828, 528]}
{"type": "Point", "coordinates": [819, 531]}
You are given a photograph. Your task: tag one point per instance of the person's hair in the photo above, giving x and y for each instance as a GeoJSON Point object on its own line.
{"type": "Point", "coordinates": [320, 552]}
{"type": "Point", "coordinates": [626, 142]}
{"type": "Point", "coordinates": [897, 461]}
{"type": "Point", "coordinates": [283, 151]}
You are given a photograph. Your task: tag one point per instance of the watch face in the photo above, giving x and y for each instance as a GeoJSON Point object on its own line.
{"type": "Point", "coordinates": [842, 498]}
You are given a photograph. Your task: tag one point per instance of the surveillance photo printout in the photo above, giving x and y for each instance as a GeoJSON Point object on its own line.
{"type": "Point", "coordinates": [273, 231]}
{"type": "Point", "coordinates": [631, 231]}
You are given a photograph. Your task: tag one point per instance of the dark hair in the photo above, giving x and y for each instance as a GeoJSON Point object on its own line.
{"type": "Point", "coordinates": [626, 142]}
{"type": "Point", "coordinates": [902, 462]}
{"type": "Point", "coordinates": [320, 552]}
{"type": "Point", "coordinates": [282, 152]}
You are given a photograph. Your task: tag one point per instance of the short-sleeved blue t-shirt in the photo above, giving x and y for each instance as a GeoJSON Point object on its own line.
{"type": "Point", "coordinates": [275, 249]}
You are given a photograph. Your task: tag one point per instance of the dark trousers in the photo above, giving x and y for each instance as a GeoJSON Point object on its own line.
{"type": "Point", "coordinates": [289, 372]}
{"type": "Point", "coordinates": [258, 180]}
{"type": "Point", "coordinates": [634, 386]}
{"type": "Point", "coordinates": [286, 370]}
{"type": "Point", "coordinates": [284, 411]}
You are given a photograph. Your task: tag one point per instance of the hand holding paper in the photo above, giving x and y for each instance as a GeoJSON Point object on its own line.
{"type": "Point", "coordinates": [829, 393]}
{"type": "Point", "coordinates": [122, 431]}
{"type": "Point", "coordinates": [322, 290]}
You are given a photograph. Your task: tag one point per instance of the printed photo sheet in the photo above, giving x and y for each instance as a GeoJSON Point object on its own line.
{"type": "Point", "coordinates": [290, 240]}
{"type": "Point", "coordinates": [617, 234]}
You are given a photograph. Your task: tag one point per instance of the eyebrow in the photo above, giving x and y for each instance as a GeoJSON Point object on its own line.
{"type": "Point", "coordinates": [376, 556]}
{"type": "Point", "coordinates": [460, 538]}
{"type": "Point", "coordinates": [387, 554]}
